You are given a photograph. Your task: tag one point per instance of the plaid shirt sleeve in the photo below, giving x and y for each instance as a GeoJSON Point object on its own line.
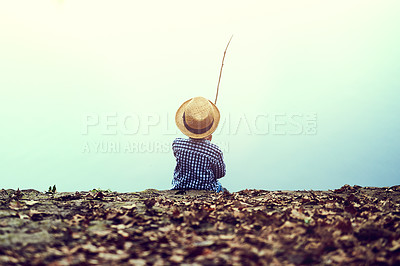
{"type": "Point", "coordinates": [219, 166]}
{"type": "Point", "coordinates": [199, 163]}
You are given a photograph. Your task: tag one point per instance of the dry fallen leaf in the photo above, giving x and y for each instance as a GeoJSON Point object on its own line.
{"type": "Point", "coordinates": [16, 205]}
{"type": "Point", "coordinates": [129, 207]}
{"type": "Point", "coordinates": [31, 202]}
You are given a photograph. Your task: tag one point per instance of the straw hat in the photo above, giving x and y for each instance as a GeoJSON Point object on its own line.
{"type": "Point", "coordinates": [197, 118]}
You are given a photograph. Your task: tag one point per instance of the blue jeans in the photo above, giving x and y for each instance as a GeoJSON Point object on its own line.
{"type": "Point", "coordinates": [219, 187]}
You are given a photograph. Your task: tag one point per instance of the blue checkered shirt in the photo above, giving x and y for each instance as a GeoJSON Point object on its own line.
{"type": "Point", "coordinates": [199, 163]}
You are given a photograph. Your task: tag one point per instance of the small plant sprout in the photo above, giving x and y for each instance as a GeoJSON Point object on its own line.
{"type": "Point", "coordinates": [52, 189]}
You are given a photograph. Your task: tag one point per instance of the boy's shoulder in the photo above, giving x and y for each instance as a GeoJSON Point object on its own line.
{"type": "Point", "coordinates": [197, 142]}
{"type": "Point", "coordinates": [178, 141]}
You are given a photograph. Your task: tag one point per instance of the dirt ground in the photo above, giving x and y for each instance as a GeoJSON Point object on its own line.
{"type": "Point", "coordinates": [347, 226]}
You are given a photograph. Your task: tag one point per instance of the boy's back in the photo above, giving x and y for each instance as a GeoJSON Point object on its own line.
{"type": "Point", "coordinates": [199, 163]}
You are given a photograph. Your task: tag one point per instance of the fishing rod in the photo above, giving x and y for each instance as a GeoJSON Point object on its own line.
{"type": "Point", "coordinates": [220, 72]}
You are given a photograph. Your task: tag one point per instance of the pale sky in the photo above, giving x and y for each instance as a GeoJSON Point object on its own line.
{"type": "Point", "coordinates": [308, 98]}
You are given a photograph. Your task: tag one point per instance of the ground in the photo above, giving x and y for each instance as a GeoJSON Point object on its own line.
{"type": "Point", "coordinates": [350, 226]}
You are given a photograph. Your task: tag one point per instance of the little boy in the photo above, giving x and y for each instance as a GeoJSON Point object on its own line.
{"type": "Point", "coordinates": [199, 163]}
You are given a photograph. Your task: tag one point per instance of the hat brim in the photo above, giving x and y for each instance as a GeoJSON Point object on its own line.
{"type": "Point", "coordinates": [180, 124]}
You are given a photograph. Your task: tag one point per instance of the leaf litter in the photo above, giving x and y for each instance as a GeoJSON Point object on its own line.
{"type": "Point", "coordinates": [352, 225]}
